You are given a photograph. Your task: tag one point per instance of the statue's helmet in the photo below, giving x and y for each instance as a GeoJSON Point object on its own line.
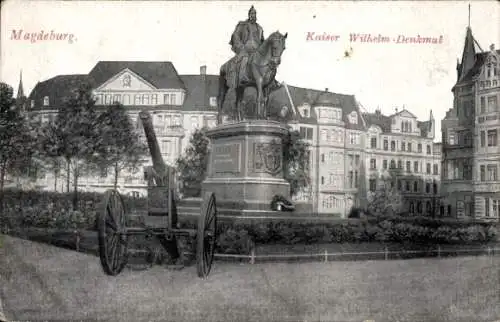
{"type": "Point", "coordinates": [252, 10]}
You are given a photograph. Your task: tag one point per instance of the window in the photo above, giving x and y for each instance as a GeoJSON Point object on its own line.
{"type": "Point", "coordinates": [177, 120]}
{"type": "Point", "coordinates": [322, 157]}
{"type": "Point", "coordinates": [46, 101]}
{"type": "Point", "coordinates": [483, 105]}
{"type": "Point", "coordinates": [415, 166]}
{"type": "Point", "coordinates": [428, 149]}
{"type": "Point", "coordinates": [492, 104]}
{"type": "Point", "coordinates": [173, 100]}
{"type": "Point", "coordinates": [322, 180]}
{"type": "Point", "coordinates": [428, 207]}
{"type": "Point", "coordinates": [419, 148]}
{"type": "Point", "coordinates": [400, 164]}
{"type": "Point", "coordinates": [117, 98]}
{"type": "Point", "coordinates": [483, 138]}
{"type": "Point", "coordinates": [451, 139]}
{"type": "Point", "coordinates": [165, 147]}
{"type": "Point", "coordinates": [194, 122]}
{"type": "Point", "coordinates": [373, 185]}
{"type": "Point", "coordinates": [492, 172]}
{"type": "Point", "coordinates": [407, 185]}
{"type": "Point", "coordinates": [393, 145]}
{"type": "Point", "coordinates": [427, 187]}
{"type": "Point", "coordinates": [373, 164]}
{"type": "Point", "coordinates": [482, 173]}
{"type": "Point", "coordinates": [154, 99]}
{"type": "Point", "coordinates": [137, 99]}
{"type": "Point", "coordinates": [409, 147]}
{"type": "Point", "coordinates": [145, 99]}
{"type": "Point", "coordinates": [354, 138]}
{"type": "Point", "coordinates": [351, 179]}
{"type": "Point", "coordinates": [408, 166]}
{"type": "Point", "coordinates": [419, 207]}
{"type": "Point", "coordinates": [213, 101]}
{"type": "Point", "coordinates": [415, 186]}
{"type": "Point", "coordinates": [385, 164]}
{"type": "Point", "coordinates": [393, 164]}
{"type": "Point", "coordinates": [435, 169]}
{"type": "Point", "coordinates": [492, 138]}
{"type": "Point", "coordinates": [403, 146]}
{"type": "Point", "coordinates": [386, 145]}
{"type": "Point", "coordinates": [126, 99]}
{"type": "Point", "coordinates": [412, 207]}
{"type": "Point", "coordinates": [496, 208]}
{"type": "Point", "coordinates": [428, 168]}
{"type": "Point", "coordinates": [166, 98]}
{"type": "Point", "coordinates": [373, 143]}
{"type": "Point", "coordinates": [400, 185]}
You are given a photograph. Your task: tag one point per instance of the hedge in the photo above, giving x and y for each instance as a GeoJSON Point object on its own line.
{"type": "Point", "coordinates": [54, 210]}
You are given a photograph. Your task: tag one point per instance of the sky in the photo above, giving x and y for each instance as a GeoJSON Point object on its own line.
{"type": "Point", "coordinates": [389, 75]}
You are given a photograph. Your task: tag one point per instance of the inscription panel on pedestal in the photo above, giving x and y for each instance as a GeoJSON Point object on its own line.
{"type": "Point", "coordinates": [267, 157]}
{"type": "Point", "coordinates": [227, 158]}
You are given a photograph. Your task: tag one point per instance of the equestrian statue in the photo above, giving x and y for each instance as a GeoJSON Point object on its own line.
{"type": "Point", "coordinates": [254, 65]}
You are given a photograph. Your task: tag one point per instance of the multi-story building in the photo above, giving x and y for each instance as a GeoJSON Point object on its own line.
{"type": "Point", "coordinates": [471, 149]}
{"type": "Point", "coordinates": [346, 147]}
{"type": "Point", "coordinates": [400, 151]}
{"type": "Point", "coordinates": [333, 126]}
{"type": "Point", "coordinates": [179, 104]}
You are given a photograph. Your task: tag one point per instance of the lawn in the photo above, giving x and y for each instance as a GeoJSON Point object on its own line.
{"type": "Point", "coordinates": [450, 289]}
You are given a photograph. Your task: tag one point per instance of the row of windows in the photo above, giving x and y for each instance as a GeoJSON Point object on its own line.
{"type": "Point", "coordinates": [460, 170]}
{"type": "Point", "coordinates": [407, 185]}
{"type": "Point", "coordinates": [492, 105]}
{"type": "Point", "coordinates": [419, 207]}
{"type": "Point", "coordinates": [406, 126]}
{"type": "Point", "coordinates": [416, 167]}
{"type": "Point", "coordinates": [138, 99]}
{"type": "Point", "coordinates": [404, 147]}
{"type": "Point", "coordinates": [492, 136]}
{"type": "Point", "coordinates": [488, 172]}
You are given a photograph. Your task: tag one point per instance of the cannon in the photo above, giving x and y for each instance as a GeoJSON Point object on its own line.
{"type": "Point", "coordinates": [161, 219]}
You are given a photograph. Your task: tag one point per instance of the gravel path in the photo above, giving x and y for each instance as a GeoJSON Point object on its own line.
{"type": "Point", "coordinates": [42, 282]}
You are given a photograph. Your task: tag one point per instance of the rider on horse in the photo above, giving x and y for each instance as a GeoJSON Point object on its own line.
{"type": "Point", "coordinates": [246, 38]}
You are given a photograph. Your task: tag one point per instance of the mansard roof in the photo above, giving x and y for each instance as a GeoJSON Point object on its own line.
{"type": "Point", "coordinates": [58, 89]}
{"type": "Point", "coordinates": [199, 89]}
{"type": "Point", "coordinates": [160, 74]}
{"type": "Point", "coordinates": [301, 96]}
{"type": "Point", "coordinates": [385, 122]}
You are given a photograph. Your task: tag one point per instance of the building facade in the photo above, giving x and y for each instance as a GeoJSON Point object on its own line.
{"type": "Point", "coordinates": [178, 104]}
{"type": "Point", "coordinates": [471, 150]}
{"type": "Point", "coordinates": [400, 149]}
{"type": "Point", "coordinates": [347, 149]}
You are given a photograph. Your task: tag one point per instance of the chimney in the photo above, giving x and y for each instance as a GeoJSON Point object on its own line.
{"type": "Point", "coordinates": [203, 70]}
{"type": "Point", "coordinates": [396, 109]}
{"type": "Point", "coordinates": [492, 47]}
{"type": "Point", "coordinates": [326, 89]}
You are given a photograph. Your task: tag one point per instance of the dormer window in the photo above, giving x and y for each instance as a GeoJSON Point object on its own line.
{"type": "Point", "coordinates": [32, 103]}
{"type": "Point", "coordinates": [353, 118]}
{"type": "Point", "coordinates": [46, 101]}
{"type": "Point", "coordinates": [213, 101]}
{"type": "Point", "coordinates": [305, 111]}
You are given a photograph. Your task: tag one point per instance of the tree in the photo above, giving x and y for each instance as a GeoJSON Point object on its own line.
{"type": "Point", "coordinates": [74, 136]}
{"type": "Point", "coordinates": [119, 146]}
{"type": "Point", "coordinates": [386, 199]}
{"type": "Point", "coordinates": [192, 166]}
{"type": "Point", "coordinates": [296, 161]}
{"type": "Point", "coordinates": [15, 137]}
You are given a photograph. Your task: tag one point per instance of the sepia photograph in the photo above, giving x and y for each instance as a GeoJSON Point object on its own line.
{"type": "Point", "coordinates": [295, 161]}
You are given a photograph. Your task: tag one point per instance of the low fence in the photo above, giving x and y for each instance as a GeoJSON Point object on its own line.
{"type": "Point", "coordinates": [326, 256]}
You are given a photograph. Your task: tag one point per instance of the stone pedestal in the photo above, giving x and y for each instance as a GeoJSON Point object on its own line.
{"type": "Point", "coordinates": [245, 168]}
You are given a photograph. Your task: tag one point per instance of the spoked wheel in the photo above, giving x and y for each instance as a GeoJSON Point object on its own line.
{"type": "Point", "coordinates": [206, 235]}
{"type": "Point", "coordinates": [112, 235]}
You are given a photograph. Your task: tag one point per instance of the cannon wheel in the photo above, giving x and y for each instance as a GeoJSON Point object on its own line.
{"type": "Point", "coordinates": [111, 228]}
{"type": "Point", "coordinates": [206, 235]}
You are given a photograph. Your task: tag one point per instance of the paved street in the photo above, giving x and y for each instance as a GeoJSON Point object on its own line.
{"type": "Point", "coordinates": [39, 281]}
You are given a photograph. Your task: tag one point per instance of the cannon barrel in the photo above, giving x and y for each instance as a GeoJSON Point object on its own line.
{"type": "Point", "coordinates": [159, 166]}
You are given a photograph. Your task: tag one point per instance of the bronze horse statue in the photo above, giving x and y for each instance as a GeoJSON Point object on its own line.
{"type": "Point", "coordinates": [259, 73]}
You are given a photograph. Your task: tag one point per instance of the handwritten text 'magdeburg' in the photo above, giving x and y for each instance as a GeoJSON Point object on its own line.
{"type": "Point", "coordinates": [42, 35]}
